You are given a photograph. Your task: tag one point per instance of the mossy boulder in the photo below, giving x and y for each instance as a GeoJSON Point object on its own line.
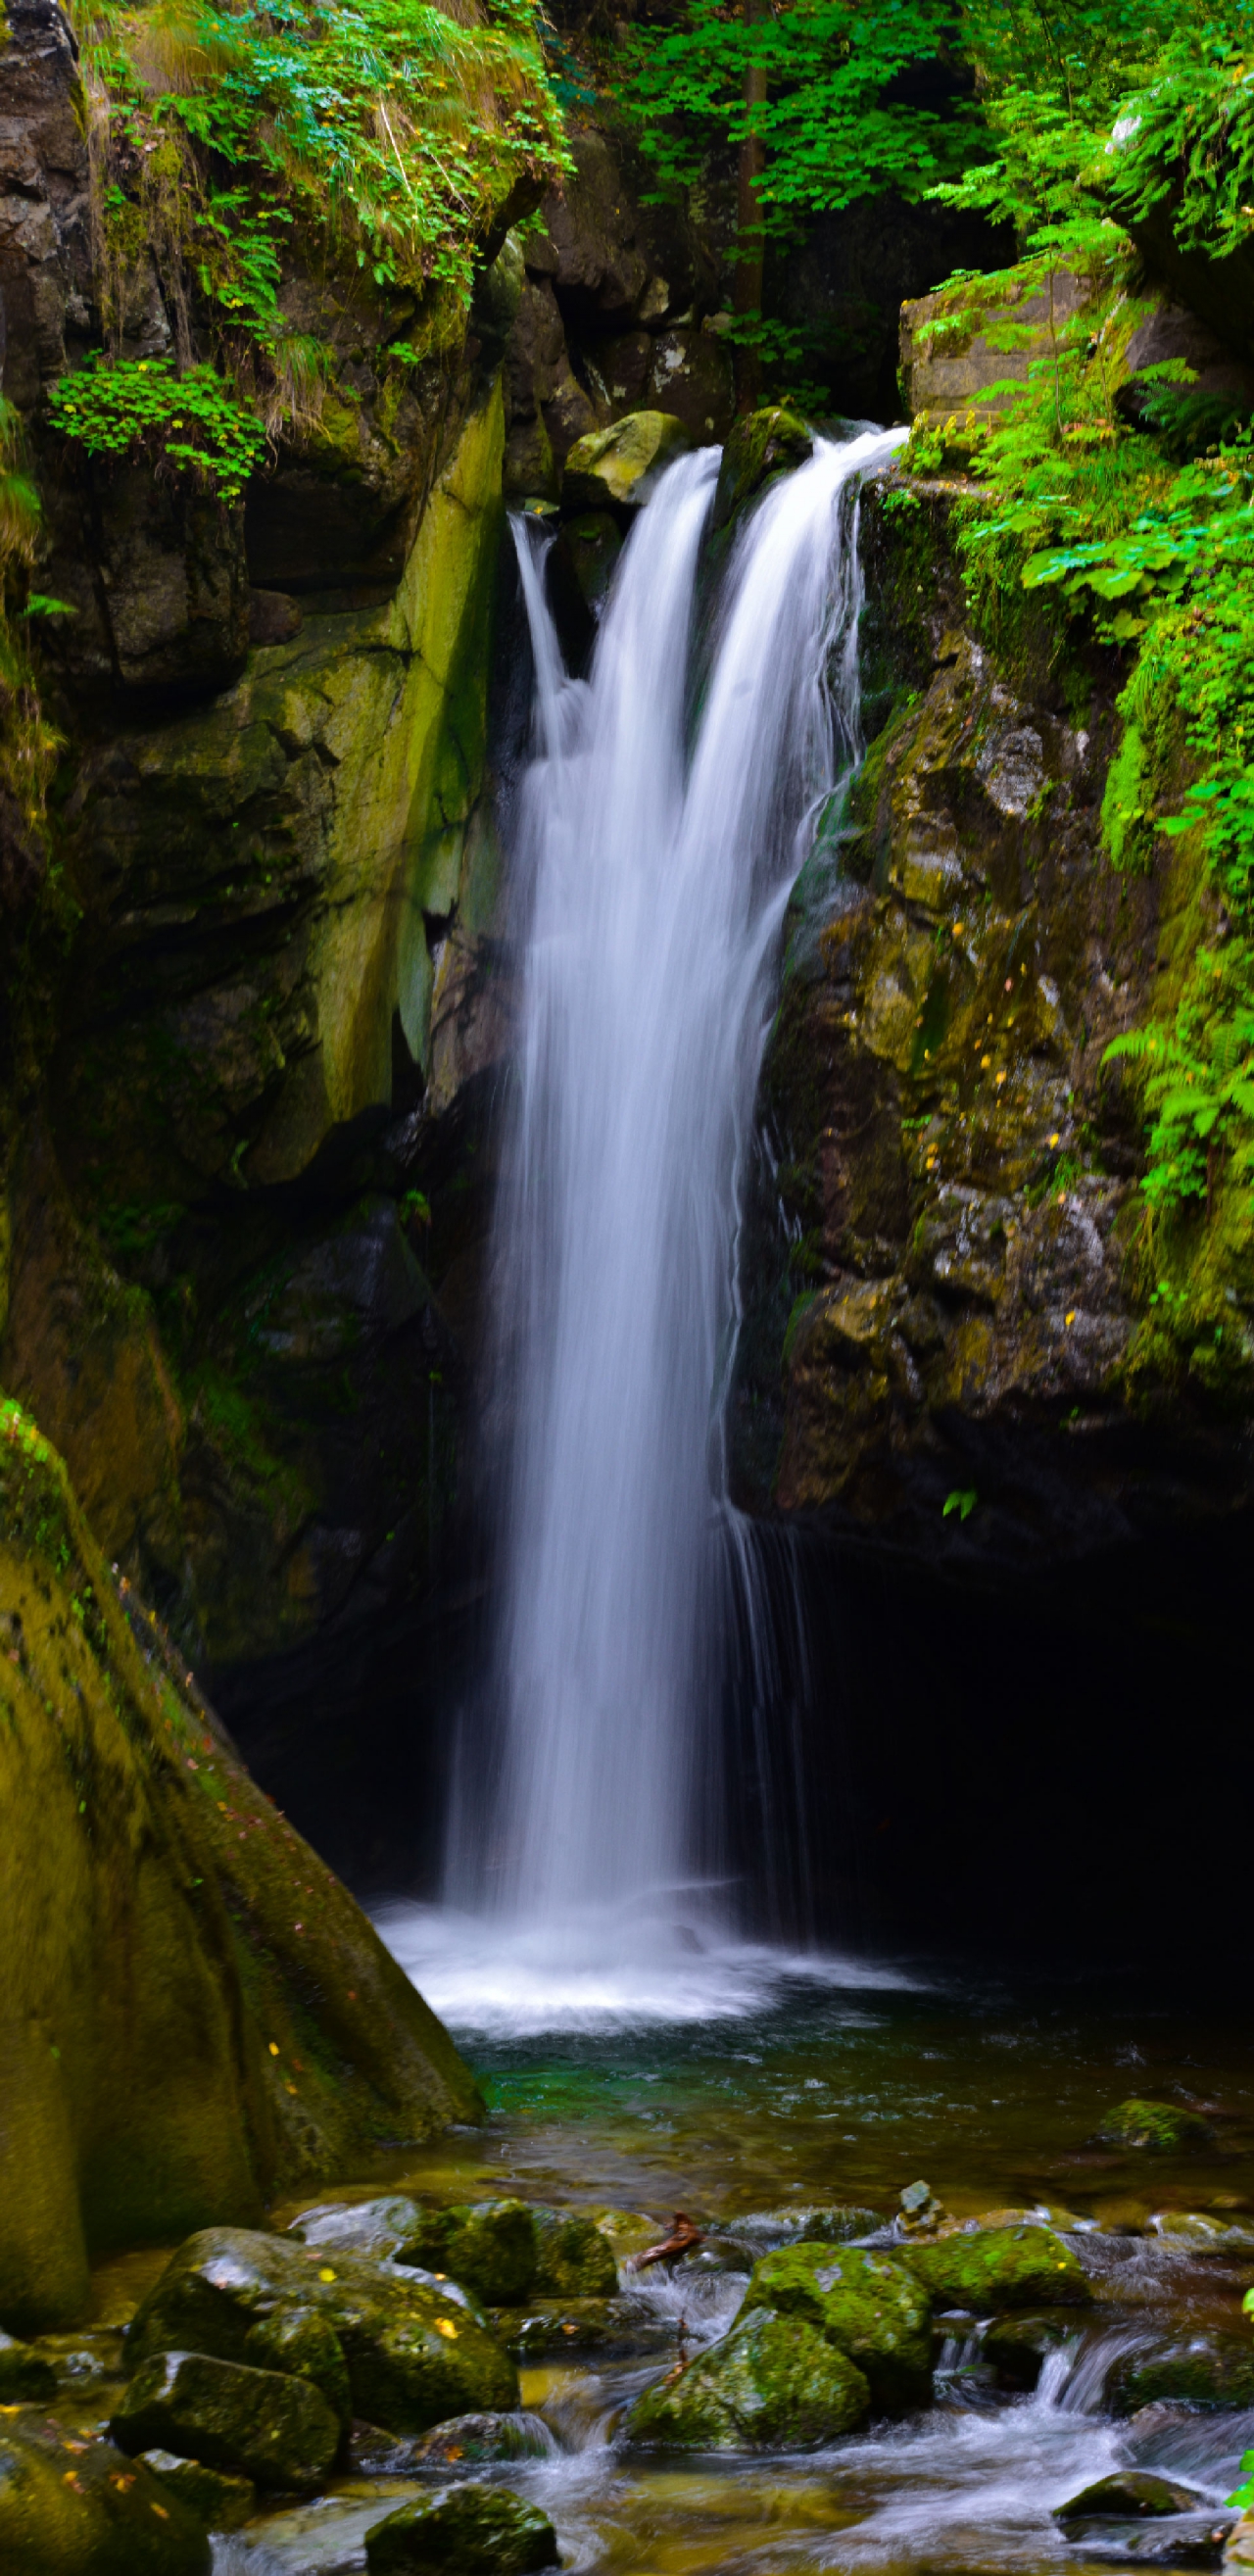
{"type": "Point", "coordinates": [414, 2354]}
{"type": "Point", "coordinates": [574, 2260]}
{"type": "Point", "coordinates": [770, 442]}
{"type": "Point", "coordinates": [377, 2227]}
{"type": "Point", "coordinates": [489, 2246]}
{"type": "Point", "coordinates": [987, 2268]}
{"type": "Point", "coordinates": [194, 2012]}
{"type": "Point", "coordinates": [1018, 2347]}
{"type": "Point", "coordinates": [302, 2341]}
{"type": "Point", "coordinates": [1210, 2369]}
{"type": "Point", "coordinates": [1162, 2127]}
{"type": "Point", "coordinates": [620, 468]}
{"type": "Point", "coordinates": [216, 2498]}
{"type": "Point", "coordinates": [1130, 2495]}
{"type": "Point", "coordinates": [467, 2531]}
{"type": "Point", "coordinates": [475, 2440]}
{"type": "Point", "coordinates": [774, 2383]}
{"type": "Point", "coordinates": [278, 2431]}
{"type": "Point", "coordinates": [90, 2511]}
{"type": "Point", "coordinates": [868, 2308]}
{"type": "Point", "coordinates": [604, 2326]}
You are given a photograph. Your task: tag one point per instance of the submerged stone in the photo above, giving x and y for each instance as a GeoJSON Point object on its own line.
{"type": "Point", "coordinates": [414, 2353]}
{"type": "Point", "coordinates": [774, 2383]}
{"type": "Point", "coordinates": [868, 2308]}
{"type": "Point", "coordinates": [217, 2499]}
{"type": "Point", "coordinates": [989, 2268]}
{"type": "Point", "coordinates": [24, 2373]}
{"type": "Point", "coordinates": [467, 2531]}
{"type": "Point", "coordinates": [278, 2431]}
{"type": "Point", "coordinates": [1160, 2126]}
{"type": "Point", "coordinates": [1128, 2494]}
{"type": "Point", "coordinates": [89, 2511]}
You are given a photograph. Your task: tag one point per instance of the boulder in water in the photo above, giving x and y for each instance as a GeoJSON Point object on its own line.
{"type": "Point", "coordinates": [361, 2226]}
{"type": "Point", "coordinates": [620, 467]}
{"type": "Point", "coordinates": [836, 2223]}
{"type": "Point", "coordinates": [278, 2431]}
{"type": "Point", "coordinates": [604, 2326]}
{"type": "Point", "coordinates": [466, 2441]}
{"type": "Point", "coordinates": [218, 2500]}
{"type": "Point", "coordinates": [489, 2246]}
{"type": "Point", "coordinates": [987, 2268]}
{"type": "Point", "coordinates": [1019, 2346]}
{"type": "Point", "coordinates": [1209, 2369]}
{"type": "Point", "coordinates": [1162, 2127]}
{"type": "Point", "coordinates": [870, 2309]}
{"type": "Point", "coordinates": [467, 2531]}
{"type": "Point", "coordinates": [1131, 2494]}
{"type": "Point", "coordinates": [774, 2383]}
{"type": "Point", "coordinates": [413, 2352]}
{"type": "Point", "coordinates": [770, 442]}
{"type": "Point", "coordinates": [574, 2260]}
{"type": "Point", "coordinates": [302, 2341]}
{"type": "Point", "coordinates": [87, 2510]}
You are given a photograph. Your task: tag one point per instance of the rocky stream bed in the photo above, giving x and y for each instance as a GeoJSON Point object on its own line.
{"type": "Point", "coordinates": [1035, 2358]}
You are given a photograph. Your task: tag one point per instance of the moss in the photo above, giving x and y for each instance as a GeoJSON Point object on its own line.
{"type": "Point", "coordinates": [67, 2507]}
{"type": "Point", "coordinates": [986, 2269]}
{"type": "Point", "coordinates": [472, 2531]}
{"type": "Point", "coordinates": [1164, 2127]}
{"type": "Point", "coordinates": [864, 2308]}
{"type": "Point", "coordinates": [774, 2383]}
{"type": "Point", "coordinates": [146, 2091]}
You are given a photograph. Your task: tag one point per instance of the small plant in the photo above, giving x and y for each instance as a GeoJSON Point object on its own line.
{"type": "Point", "coordinates": [963, 1500]}
{"type": "Point", "coordinates": [194, 421]}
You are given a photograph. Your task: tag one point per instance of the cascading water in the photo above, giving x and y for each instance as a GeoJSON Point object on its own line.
{"type": "Point", "coordinates": [652, 863]}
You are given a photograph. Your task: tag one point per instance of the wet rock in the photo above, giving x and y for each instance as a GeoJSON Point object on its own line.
{"type": "Point", "coordinates": [359, 2227]}
{"type": "Point", "coordinates": [835, 2223]}
{"type": "Point", "coordinates": [24, 2373]}
{"type": "Point", "coordinates": [985, 2269]}
{"type": "Point", "coordinates": [303, 2343]}
{"type": "Point", "coordinates": [1198, 2232]}
{"type": "Point", "coordinates": [604, 2326]}
{"type": "Point", "coordinates": [469, 2531]}
{"type": "Point", "coordinates": [629, 2232]}
{"type": "Point", "coordinates": [594, 543]}
{"type": "Point", "coordinates": [1211, 2369]}
{"type": "Point", "coordinates": [470, 2441]}
{"type": "Point", "coordinates": [1018, 2347]}
{"type": "Point", "coordinates": [87, 2510]}
{"type": "Point", "coordinates": [770, 442]}
{"type": "Point", "coordinates": [491, 2246]}
{"type": "Point", "coordinates": [278, 2431]}
{"type": "Point", "coordinates": [620, 467]}
{"type": "Point", "coordinates": [1162, 2127]}
{"type": "Point", "coordinates": [774, 2383]}
{"type": "Point", "coordinates": [218, 2500]}
{"type": "Point", "coordinates": [918, 2207]}
{"type": "Point", "coordinates": [573, 2258]}
{"type": "Point", "coordinates": [867, 2308]}
{"type": "Point", "coordinates": [1128, 2493]}
{"type": "Point", "coordinates": [415, 2354]}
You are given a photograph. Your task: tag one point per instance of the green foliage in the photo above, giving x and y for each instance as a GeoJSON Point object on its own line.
{"type": "Point", "coordinates": [1187, 139]}
{"type": "Point", "coordinates": [194, 421]}
{"type": "Point", "coordinates": [963, 1500]}
{"type": "Point", "coordinates": [28, 744]}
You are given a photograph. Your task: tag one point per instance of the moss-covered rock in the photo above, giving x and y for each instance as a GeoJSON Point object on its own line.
{"type": "Point", "coordinates": [1131, 2495]}
{"type": "Point", "coordinates": [303, 2342]}
{"type": "Point", "coordinates": [413, 2352]}
{"type": "Point", "coordinates": [604, 2326]}
{"type": "Point", "coordinates": [490, 2246]}
{"type": "Point", "coordinates": [1017, 2347]}
{"type": "Point", "coordinates": [774, 2383]}
{"type": "Point", "coordinates": [1162, 2127]}
{"type": "Point", "coordinates": [87, 2510]}
{"type": "Point", "coordinates": [620, 467]}
{"type": "Point", "coordinates": [868, 2308]}
{"type": "Point", "coordinates": [770, 442]}
{"type": "Point", "coordinates": [1210, 2369]}
{"type": "Point", "coordinates": [216, 2498]}
{"type": "Point", "coordinates": [574, 2259]}
{"type": "Point", "coordinates": [465, 2441]}
{"type": "Point", "coordinates": [468, 2531]}
{"type": "Point", "coordinates": [278, 2431]}
{"type": "Point", "coordinates": [193, 2009]}
{"type": "Point", "coordinates": [999, 2267]}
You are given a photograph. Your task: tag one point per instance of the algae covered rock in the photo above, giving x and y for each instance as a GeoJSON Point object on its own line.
{"type": "Point", "coordinates": [302, 2341]}
{"type": "Point", "coordinates": [24, 2373]}
{"type": "Point", "coordinates": [1018, 2347]}
{"type": "Point", "coordinates": [278, 2431]}
{"type": "Point", "coordinates": [604, 2326]}
{"type": "Point", "coordinates": [869, 2309]}
{"type": "Point", "coordinates": [474, 2441]}
{"type": "Point", "coordinates": [770, 442]}
{"type": "Point", "coordinates": [89, 2511]}
{"type": "Point", "coordinates": [986, 2268]}
{"type": "Point", "coordinates": [1162, 2127]}
{"type": "Point", "coordinates": [774, 2383]}
{"type": "Point", "coordinates": [1210, 2369]}
{"type": "Point", "coordinates": [467, 2531]}
{"type": "Point", "coordinates": [217, 2499]}
{"type": "Point", "coordinates": [194, 2012]}
{"type": "Point", "coordinates": [574, 2260]}
{"type": "Point", "coordinates": [489, 2247]}
{"type": "Point", "coordinates": [621, 467]}
{"type": "Point", "coordinates": [1130, 2494]}
{"type": "Point", "coordinates": [414, 2353]}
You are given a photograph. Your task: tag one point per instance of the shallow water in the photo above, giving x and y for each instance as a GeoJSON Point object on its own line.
{"type": "Point", "coordinates": [823, 2088]}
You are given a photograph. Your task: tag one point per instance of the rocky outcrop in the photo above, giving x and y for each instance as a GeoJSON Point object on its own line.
{"type": "Point", "coordinates": [965, 1372]}
{"type": "Point", "coordinates": [194, 2011]}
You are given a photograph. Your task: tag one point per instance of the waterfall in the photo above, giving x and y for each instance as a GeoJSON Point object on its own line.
{"type": "Point", "coordinates": [654, 871]}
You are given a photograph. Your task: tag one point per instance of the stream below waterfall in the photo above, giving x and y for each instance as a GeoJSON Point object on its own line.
{"type": "Point", "coordinates": [845, 2091]}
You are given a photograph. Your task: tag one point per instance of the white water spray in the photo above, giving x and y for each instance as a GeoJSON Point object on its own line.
{"type": "Point", "coordinates": [653, 862]}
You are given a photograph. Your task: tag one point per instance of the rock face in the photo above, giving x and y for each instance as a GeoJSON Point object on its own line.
{"type": "Point", "coordinates": [193, 2008]}
{"type": "Point", "coordinates": [958, 1312]}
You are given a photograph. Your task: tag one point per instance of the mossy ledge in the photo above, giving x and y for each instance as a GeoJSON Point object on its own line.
{"type": "Point", "coordinates": [195, 2013]}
